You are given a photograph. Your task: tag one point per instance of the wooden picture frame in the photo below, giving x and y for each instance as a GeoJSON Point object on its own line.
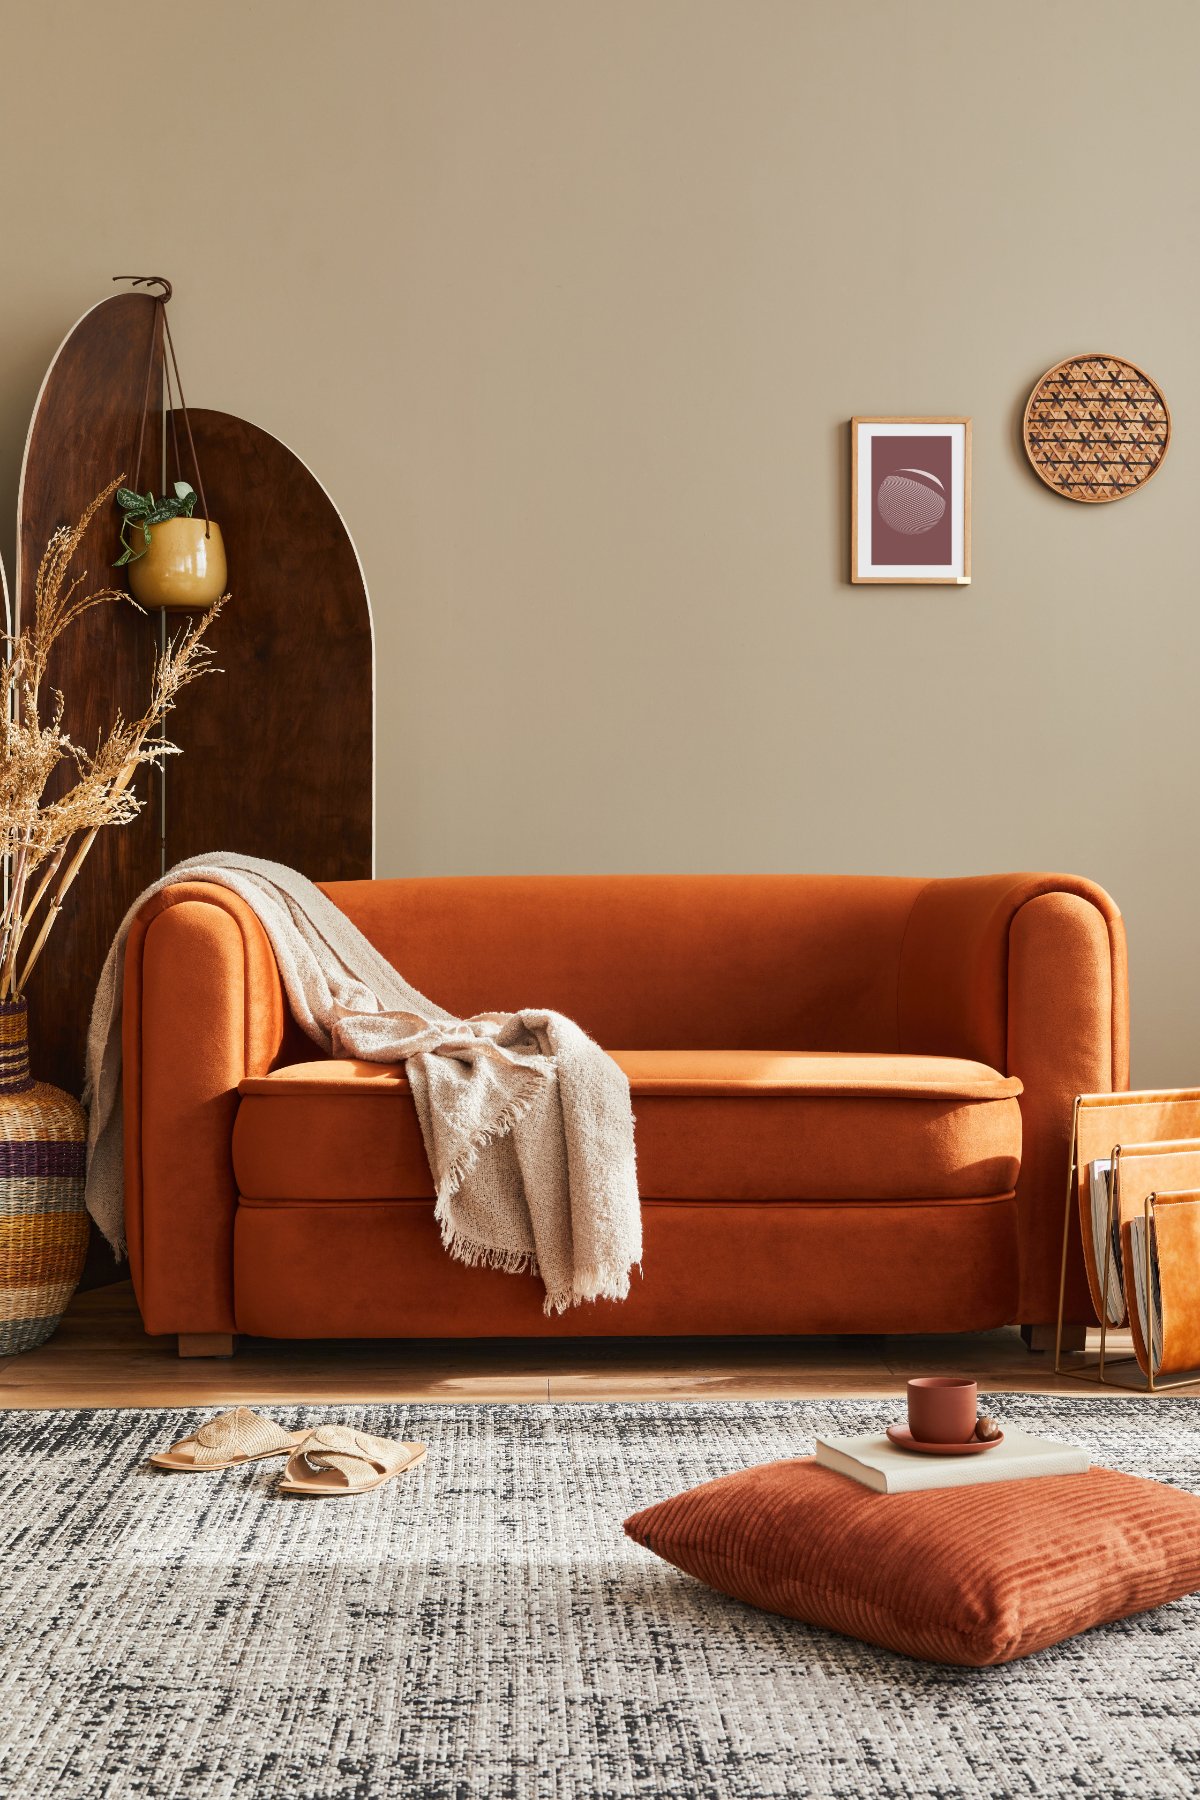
{"type": "Point", "coordinates": [910, 501]}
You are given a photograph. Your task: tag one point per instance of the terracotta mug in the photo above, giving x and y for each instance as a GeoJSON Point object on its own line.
{"type": "Point", "coordinates": [942, 1409]}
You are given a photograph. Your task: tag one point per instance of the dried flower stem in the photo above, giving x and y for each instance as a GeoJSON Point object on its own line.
{"type": "Point", "coordinates": [11, 911]}
{"type": "Point", "coordinates": [52, 868]}
{"type": "Point", "coordinates": [60, 893]}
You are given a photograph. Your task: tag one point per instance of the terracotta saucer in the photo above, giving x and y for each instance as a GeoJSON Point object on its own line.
{"type": "Point", "coordinates": [901, 1435]}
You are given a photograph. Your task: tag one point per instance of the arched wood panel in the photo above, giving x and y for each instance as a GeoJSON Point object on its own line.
{"type": "Point", "coordinates": [279, 748]}
{"type": "Point", "coordinates": [83, 433]}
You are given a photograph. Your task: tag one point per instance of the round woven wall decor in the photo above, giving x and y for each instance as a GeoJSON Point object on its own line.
{"type": "Point", "coordinates": [1096, 428]}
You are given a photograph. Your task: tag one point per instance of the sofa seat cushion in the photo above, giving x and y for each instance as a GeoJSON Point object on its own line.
{"type": "Point", "coordinates": [711, 1125]}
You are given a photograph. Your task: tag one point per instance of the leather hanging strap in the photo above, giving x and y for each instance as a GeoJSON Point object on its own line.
{"type": "Point", "coordinates": [187, 423]}
{"type": "Point", "coordinates": [155, 339]}
{"type": "Point", "coordinates": [162, 329]}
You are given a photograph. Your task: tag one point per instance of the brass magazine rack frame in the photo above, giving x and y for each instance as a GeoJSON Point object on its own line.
{"type": "Point", "coordinates": [1085, 1365]}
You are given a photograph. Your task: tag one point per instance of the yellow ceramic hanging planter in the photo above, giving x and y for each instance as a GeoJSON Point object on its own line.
{"type": "Point", "coordinates": [174, 560]}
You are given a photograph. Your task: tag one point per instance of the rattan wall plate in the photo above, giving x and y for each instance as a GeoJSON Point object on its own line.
{"type": "Point", "coordinates": [1096, 428]}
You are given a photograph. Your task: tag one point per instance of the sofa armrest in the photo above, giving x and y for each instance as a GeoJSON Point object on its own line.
{"type": "Point", "coordinates": [203, 1007]}
{"type": "Point", "coordinates": [1027, 973]}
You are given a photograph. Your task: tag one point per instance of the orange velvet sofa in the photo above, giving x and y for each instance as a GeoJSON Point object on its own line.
{"type": "Point", "coordinates": [853, 1102]}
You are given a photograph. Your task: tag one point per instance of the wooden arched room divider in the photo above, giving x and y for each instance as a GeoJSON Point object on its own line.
{"type": "Point", "coordinates": [278, 749]}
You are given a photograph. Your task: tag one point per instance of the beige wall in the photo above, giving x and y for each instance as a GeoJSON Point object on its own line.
{"type": "Point", "coordinates": [568, 305]}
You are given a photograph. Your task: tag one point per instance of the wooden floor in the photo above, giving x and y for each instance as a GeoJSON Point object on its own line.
{"type": "Point", "coordinates": [100, 1356]}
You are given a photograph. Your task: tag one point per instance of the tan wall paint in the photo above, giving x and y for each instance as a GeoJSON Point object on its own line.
{"type": "Point", "coordinates": [568, 305]}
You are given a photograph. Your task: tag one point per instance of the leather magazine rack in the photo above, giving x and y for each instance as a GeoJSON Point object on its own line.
{"type": "Point", "coordinates": [1147, 1146]}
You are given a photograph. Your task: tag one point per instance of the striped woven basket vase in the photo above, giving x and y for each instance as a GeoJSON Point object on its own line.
{"type": "Point", "coordinates": [43, 1225]}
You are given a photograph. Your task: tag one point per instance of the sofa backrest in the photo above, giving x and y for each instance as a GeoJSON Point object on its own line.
{"type": "Point", "coordinates": [757, 962]}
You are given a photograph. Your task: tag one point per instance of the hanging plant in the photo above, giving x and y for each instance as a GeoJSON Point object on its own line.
{"type": "Point", "coordinates": [175, 559]}
{"type": "Point", "coordinates": [144, 510]}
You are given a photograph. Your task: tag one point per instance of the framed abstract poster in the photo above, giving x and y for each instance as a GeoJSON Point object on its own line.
{"type": "Point", "coordinates": [910, 501]}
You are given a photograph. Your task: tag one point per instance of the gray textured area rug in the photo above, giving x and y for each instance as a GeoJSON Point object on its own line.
{"type": "Point", "coordinates": [484, 1627]}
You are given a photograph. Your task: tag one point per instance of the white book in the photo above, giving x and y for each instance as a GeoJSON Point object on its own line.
{"type": "Point", "coordinates": [878, 1463]}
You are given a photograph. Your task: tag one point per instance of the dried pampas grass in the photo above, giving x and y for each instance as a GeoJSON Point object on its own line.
{"type": "Point", "coordinates": [45, 841]}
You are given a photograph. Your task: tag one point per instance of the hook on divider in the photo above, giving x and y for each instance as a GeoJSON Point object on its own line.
{"type": "Point", "coordinates": [150, 281]}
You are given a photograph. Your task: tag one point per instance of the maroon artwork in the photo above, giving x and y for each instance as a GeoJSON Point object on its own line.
{"type": "Point", "coordinates": [911, 500]}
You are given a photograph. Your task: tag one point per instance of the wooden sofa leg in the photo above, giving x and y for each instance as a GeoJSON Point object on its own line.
{"type": "Point", "coordinates": [1039, 1338]}
{"type": "Point", "coordinates": [206, 1343]}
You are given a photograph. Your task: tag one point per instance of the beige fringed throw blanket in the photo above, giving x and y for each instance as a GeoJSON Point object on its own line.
{"type": "Point", "coordinates": [527, 1123]}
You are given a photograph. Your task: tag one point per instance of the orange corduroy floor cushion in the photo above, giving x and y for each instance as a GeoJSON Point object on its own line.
{"type": "Point", "coordinates": [974, 1575]}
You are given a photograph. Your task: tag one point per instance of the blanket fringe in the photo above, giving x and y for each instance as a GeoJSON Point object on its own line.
{"type": "Point", "coordinates": [486, 1256]}
{"type": "Point", "coordinates": [588, 1285]}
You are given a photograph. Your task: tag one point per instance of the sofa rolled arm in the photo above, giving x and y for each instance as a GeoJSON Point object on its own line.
{"type": "Point", "coordinates": [203, 1007]}
{"type": "Point", "coordinates": [1027, 973]}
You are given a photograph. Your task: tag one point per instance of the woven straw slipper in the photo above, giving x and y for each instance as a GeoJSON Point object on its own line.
{"type": "Point", "coordinates": [234, 1437]}
{"type": "Point", "coordinates": [338, 1461]}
